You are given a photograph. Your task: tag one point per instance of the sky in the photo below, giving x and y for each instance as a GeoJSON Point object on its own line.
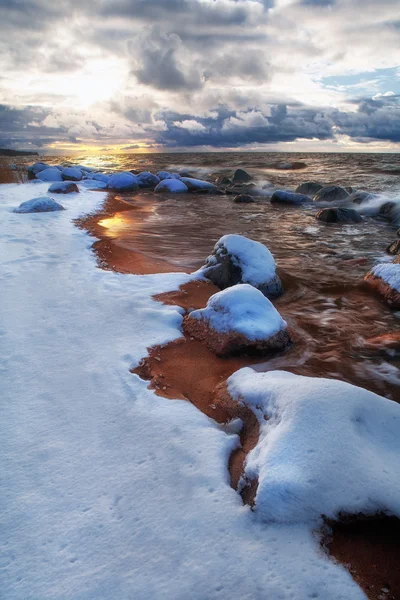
{"type": "Point", "coordinates": [200, 75]}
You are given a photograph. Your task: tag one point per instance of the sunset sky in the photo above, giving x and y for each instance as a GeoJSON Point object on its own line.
{"type": "Point", "coordinates": [159, 75]}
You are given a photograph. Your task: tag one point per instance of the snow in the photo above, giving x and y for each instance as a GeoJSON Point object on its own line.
{"type": "Point", "coordinates": [123, 182]}
{"type": "Point", "coordinates": [109, 491]}
{"type": "Point", "coordinates": [390, 273]}
{"type": "Point", "coordinates": [40, 204]}
{"type": "Point", "coordinates": [255, 260]}
{"type": "Point", "coordinates": [174, 186]}
{"type": "Point", "coordinates": [101, 177]}
{"type": "Point", "coordinates": [71, 174]}
{"type": "Point", "coordinates": [326, 446]}
{"type": "Point", "coordinates": [50, 174]}
{"type": "Point", "coordinates": [243, 309]}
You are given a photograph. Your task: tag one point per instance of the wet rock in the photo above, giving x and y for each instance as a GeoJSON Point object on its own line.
{"type": "Point", "coordinates": [286, 197]}
{"type": "Point", "coordinates": [171, 186]}
{"type": "Point", "coordinates": [244, 198]}
{"type": "Point", "coordinates": [237, 259]}
{"type": "Point", "coordinates": [123, 182]}
{"type": "Point", "coordinates": [309, 188]}
{"type": "Point", "coordinates": [289, 166]}
{"type": "Point", "coordinates": [385, 279]}
{"type": "Point", "coordinates": [40, 204]}
{"type": "Point", "coordinates": [238, 319]}
{"type": "Point", "coordinates": [241, 176]}
{"type": "Point", "coordinates": [394, 248]}
{"type": "Point", "coordinates": [186, 174]}
{"type": "Point", "coordinates": [147, 180]}
{"type": "Point", "coordinates": [359, 197]}
{"type": "Point", "coordinates": [349, 189]}
{"type": "Point", "coordinates": [338, 215]}
{"type": "Point", "coordinates": [390, 211]}
{"type": "Point", "coordinates": [331, 193]}
{"type": "Point", "coordinates": [223, 180]}
{"type": "Point", "coordinates": [63, 187]}
{"type": "Point", "coordinates": [71, 174]}
{"type": "Point", "coordinates": [195, 185]}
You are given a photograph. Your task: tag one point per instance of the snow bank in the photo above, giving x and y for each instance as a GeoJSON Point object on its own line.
{"type": "Point", "coordinates": [327, 446]}
{"type": "Point", "coordinates": [174, 186]}
{"type": "Point", "coordinates": [242, 309]}
{"type": "Point", "coordinates": [390, 273]}
{"type": "Point", "coordinates": [40, 204]}
{"type": "Point", "coordinates": [109, 491]}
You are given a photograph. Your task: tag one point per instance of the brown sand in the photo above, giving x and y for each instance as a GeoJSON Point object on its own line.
{"type": "Point", "coordinates": [186, 369]}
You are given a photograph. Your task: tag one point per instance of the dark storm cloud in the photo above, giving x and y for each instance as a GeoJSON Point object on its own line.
{"type": "Point", "coordinates": [375, 119]}
{"type": "Point", "coordinates": [19, 127]}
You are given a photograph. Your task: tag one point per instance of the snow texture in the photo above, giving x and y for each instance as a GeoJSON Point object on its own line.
{"type": "Point", "coordinates": [40, 204]}
{"type": "Point", "coordinates": [390, 273]}
{"type": "Point", "coordinates": [71, 174]}
{"type": "Point", "coordinates": [123, 182]}
{"type": "Point", "coordinates": [109, 491]}
{"type": "Point", "coordinates": [50, 174]}
{"type": "Point", "coordinates": [325, 447]}
{"type": "Point", "coordinates": [174, 186]}
{"type": "Point", "coordinates": [243, 309]}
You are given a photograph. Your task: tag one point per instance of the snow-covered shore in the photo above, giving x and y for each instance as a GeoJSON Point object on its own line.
{"type": "Point", "coordinates": [109, 491]}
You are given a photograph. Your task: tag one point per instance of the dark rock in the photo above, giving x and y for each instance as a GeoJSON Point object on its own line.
{"type": "Point", "coordinates": [245, 198]}
{"type": "Point", "coordinates": [309, 188]}
{"type": "Point", "coordinates": [186, 174]}
{"type": "Point", "coordinates": [349, 189]}
{"type": "Point", "coordinates": [289, 166]}
{"type": "Point", "coordinates": [223, 180]}
{"type": "Point", "coordinates": [331, 193]}
{"type": "Point", "coordinates": [359, 197]}
{"type": "Point", "coordinates": [338, 215]}
{"type": "Point", "coordinates": [286, 197]}
{"type": "Point", "coordinates": [394, 248]}
{"type": "Point", "coordinates": [390, 211]}
{"type": "Point", "coordinates": [241, 176]}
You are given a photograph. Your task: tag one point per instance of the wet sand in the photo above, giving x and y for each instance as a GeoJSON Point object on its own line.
{"type": "Point", "coordinates": [186, 369]}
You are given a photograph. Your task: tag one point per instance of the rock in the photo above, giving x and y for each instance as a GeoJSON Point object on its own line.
{"type": "Point", "coordinates": [195, 185]}
{"type": "Point", "coordinates": [166, 175]}
{"type": "Point", "coordinates": [101, 177]}
{"type": "Point", "coordinates": [134, 172]}
{"type": "Point", "coordinates": [223, 180]}
{"type": "Point", "coordinates": [172, 186]}
{"type": "Point", "coordinates": [243, 198]}
{"type": "Point", "coordinates": [394, 248]}
{"type": "Point", "coordinates": [385, 279]}
{"type": "Point", "coordinates": [331, 193]}
{"type": "Point", "coordinates": [286, 197]}
{"type": "Point", "coordinates": [63, 187]}
{"type": "Point", "coordinates": [147, 180]}
{"type": "Point", "coordinates": [40, 204]}
{"type": "Point", "coordinates": [186, 174]}
{"type": "Point", "coordinates": [309, 188]}
{"type": "Point", "coordinates": [50, 174]}
{"type": "Point", "coordinates": [36, 168]}
{"type": "Point", "coordinates": [241, 176]}
{"type": "Point", "coordinates": [350, 190]}
{"type": "Point", "coordinates": [288, 166]}
{"type": "Point", "coordinates": [123, 182]}
{"type": "Point", "coordinates": [238, 319]}
{"type": "Point", "coordinates": [390, 211]}
{"type": "Point", "coordinates": [237, 259]}
{"type": "Point", "coordinates": [338, 215]}
{"type": "Point", "coordinates": [398, 233]}
{"type": "Point", "coordinates": [359, 197]}
{"type": "Point", "coordinates": [71, 174]}
{"type": "Point", "coordinates": [388, 343]}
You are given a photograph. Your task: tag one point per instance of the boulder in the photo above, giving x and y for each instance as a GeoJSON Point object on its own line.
{"type": "Point", "coordinates": [63, 187]}
{"type": "Point", "coordinates": [36, 168]}
{"type": "Point", "coordinates": [166, 175]}
{"type": "Point", "coordinates": [238, 319]}
{"type": "Point", "coordinates": [244, 198]}
{"type": "Point", "coordinates": [195, 185]}
{"type": "Point", "coordinates": [171, 186]}
{"type": "Point", "coordinates": [71, 174]}
{"type": "Point", "coordinates": [286, 197]}
{"type": "Point", "coordinates": [223, 180]}
{"type": "Point", "coordinates": [241, 176]}
{"type": "Point", "coordinates": [237, 259]}
{"type": "Point", "coordinates": [390, 211]}
{"type": "Point", "coordinates": [394, 248]}
{"type": "Point", "coordinates": [40, 204]}
{"type": "Point", "coordinates": [385, 279]}
{"type": "Point", "coordinates": [100, 177]}
{"type": "Point", "coordinates": [359, 197]}
{"type": "Point", "coordinates": [309, 188]}
{"type": "Point", "coordinates": [50, 174]}
{"type": "Point", "coordinates": [331, 193]}
{"type": "Point", "coordinates": [123, 182]}
{"type": "Point", "coordinates": [147, 180]}
{"type": "Point", "coordinates": [338, 215]}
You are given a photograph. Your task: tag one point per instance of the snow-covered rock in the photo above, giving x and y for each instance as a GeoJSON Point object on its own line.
{"type": "Point", "coordinates": [63, 187]}
{"type": "Point", "coordinates": [331, 193]}
{"type": "Point", "coordinates": [385, 278]}
{"type": "Point", "coordinates": [195, 185]}
{"type": "Point", "coordinates": [147, 180]}
{"type": "Point", "coordinates": [50, 174]}
{"type": "Point", "coordinates": [338, 215]}
{"type": "Point", "coordinates": [167, 175]}
{"type": "Point", "coordinates": [237, 319]}
{"type": "Point", "coordinates": [40, 204]}
{"type": "Point", "coordinates": [100, 177]}
{"type": "Point", "coordinates": [36, 168]}
{"type": "Point", "coordinates": [325, 447]}
{"type": "Point", "coordinates": [123, 182]}
{"type": "Point", "coordinates": [71, 174]}
{"type": "Point", "coordinates": [287, 197]}
{"type": "Point", "coordinates": [237, 259]}
{"type": "Point", "coordinates": [309, 188]}
{"type": "Point", "coordinates": [173, 186]}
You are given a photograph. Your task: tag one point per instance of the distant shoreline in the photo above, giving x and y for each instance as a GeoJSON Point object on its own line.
{"type": "Point", "coordinates": [8, 152]}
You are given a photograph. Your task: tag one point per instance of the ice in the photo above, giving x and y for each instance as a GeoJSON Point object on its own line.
{"type": "Point", "coordinates": [326, 447]}
{"type": "Point", "coordinates": [242, 309]}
